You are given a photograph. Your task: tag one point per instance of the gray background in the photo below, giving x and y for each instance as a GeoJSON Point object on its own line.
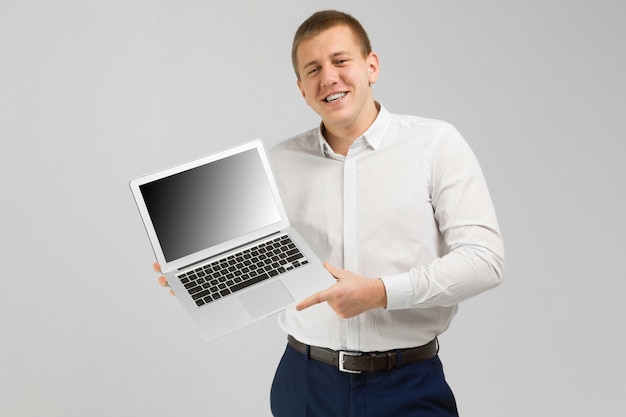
{"type": "Point", "coordinates": [93, 93]}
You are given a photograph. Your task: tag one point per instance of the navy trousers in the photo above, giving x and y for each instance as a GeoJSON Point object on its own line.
{"type": "Point", "coordinates": [304, 387]}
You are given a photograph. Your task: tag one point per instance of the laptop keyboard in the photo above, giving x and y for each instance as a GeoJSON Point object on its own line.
{"type": "Point", "coordinates": [236, 272]}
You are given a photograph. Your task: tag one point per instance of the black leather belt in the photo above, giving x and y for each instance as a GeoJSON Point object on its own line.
{"type": "Point", "coordinates": [357, 362]}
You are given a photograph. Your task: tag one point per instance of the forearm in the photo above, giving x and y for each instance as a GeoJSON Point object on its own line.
{"type": "Point", "coordinates": [467, 270]}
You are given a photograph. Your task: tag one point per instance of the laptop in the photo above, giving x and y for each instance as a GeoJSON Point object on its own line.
{"type": "Point", "coordinates": [220, 232]}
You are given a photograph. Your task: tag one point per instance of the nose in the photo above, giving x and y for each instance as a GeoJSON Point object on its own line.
{"type": "Point", "coordinates": [329, 76]}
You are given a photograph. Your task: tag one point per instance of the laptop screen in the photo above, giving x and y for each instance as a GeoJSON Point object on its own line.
{"type": "Point", "coordinates": [210, 204]}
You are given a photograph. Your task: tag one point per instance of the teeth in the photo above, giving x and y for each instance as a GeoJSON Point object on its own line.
{"type": "Point", "coordinates": [334, 97]}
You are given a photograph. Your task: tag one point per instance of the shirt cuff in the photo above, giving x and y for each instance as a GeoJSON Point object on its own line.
{"type": "Point", "coordinates": [399, 291]}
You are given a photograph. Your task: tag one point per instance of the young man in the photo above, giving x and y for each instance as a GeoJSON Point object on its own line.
{"type": "Point", "coordinates": [399, 208]}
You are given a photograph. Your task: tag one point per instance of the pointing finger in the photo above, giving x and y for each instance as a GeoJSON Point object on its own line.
{"type": "Point", "coordinates": [317, 298]}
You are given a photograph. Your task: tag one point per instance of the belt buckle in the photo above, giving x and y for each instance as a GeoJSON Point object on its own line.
{"type": "Point", "coordinates": [342, 355]}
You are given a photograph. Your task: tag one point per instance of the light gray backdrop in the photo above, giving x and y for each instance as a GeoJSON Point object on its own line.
{"type": "Point", "coordinates": [93, 93]}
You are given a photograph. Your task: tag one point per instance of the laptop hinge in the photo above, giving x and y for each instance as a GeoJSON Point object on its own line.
{"type": "Point", "coordinates": [235, 249]}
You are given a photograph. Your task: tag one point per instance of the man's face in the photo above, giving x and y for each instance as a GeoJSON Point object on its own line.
{"type": "Point", "coordinates": [335, 79]}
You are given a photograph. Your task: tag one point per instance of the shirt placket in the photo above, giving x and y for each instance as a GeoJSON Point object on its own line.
{"type": "Point", "coordinates": [350, 245]}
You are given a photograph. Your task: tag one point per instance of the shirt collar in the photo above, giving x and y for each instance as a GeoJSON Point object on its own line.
{"type": "Point", "coordinates": [373, 136]}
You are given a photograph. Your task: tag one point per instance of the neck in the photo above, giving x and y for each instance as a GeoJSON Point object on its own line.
{"type": "Point", "coordinates": [340, 138]}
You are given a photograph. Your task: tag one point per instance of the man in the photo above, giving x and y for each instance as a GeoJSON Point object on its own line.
{"type": "Point", "coordinates": [399, 208]}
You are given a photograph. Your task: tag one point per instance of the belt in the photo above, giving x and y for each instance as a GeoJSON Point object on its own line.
{"type": "Point", "coordinates": [357, 362]}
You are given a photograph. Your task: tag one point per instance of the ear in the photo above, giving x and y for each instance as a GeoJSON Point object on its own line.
{"type": "Point", "coordinates": [373, 66]}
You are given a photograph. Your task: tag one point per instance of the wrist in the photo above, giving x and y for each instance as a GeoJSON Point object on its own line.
{"type": "Point", "coordinates": [381, 294]}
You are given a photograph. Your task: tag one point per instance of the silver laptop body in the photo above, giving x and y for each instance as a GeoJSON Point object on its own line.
{"type": "Point", "coordinates": [220, 232]}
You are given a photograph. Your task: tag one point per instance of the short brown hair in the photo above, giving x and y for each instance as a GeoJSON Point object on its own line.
{"type": "Point", "coordinates": [323, 20]}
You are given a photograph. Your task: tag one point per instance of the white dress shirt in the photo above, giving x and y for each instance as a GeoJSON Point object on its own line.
{"type": "Point", "coordinates": [407, 204]}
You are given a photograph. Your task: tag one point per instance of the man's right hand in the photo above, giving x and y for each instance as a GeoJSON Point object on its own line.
{"type": "Point", "coordinates": [162, 279]}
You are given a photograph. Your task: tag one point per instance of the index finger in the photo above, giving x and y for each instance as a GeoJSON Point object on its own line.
{"type": "Point", "coordinates": [311, 300]}
{"type": "Point", "coordinates": [156, 267]}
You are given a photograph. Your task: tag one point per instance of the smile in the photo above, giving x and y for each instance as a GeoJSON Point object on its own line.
{"type": "Point", "coordinates": [334, 97]}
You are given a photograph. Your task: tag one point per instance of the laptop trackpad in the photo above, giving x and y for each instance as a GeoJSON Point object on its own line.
{"type": "Point", "coordinates": [266, 299]}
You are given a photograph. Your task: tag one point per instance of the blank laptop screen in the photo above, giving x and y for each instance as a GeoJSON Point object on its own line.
{"type": "Point", "coordinates": [210, 204]}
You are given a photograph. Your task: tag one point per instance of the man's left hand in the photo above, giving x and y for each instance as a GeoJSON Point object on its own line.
{"type": "Point", "coordinates": [352, 295]}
